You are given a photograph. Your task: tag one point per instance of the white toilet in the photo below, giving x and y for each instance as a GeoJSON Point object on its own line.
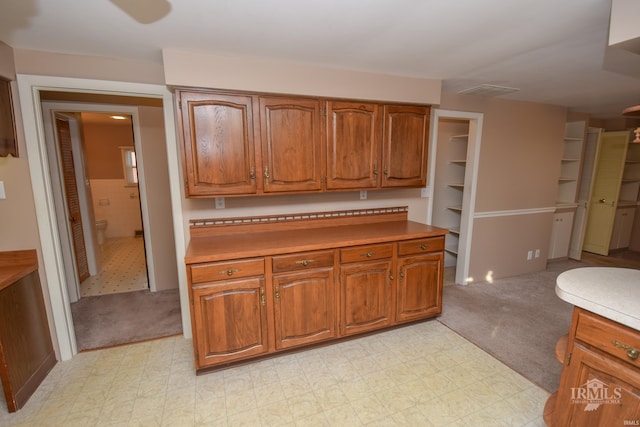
{"type": "Point", "coordinates": [101, 224]}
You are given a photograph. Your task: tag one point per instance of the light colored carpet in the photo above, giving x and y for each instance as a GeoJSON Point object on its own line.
{"type": "Point", "coordinates": [519, 319]}
{"type": "Point", "coordinates": [108, 320]}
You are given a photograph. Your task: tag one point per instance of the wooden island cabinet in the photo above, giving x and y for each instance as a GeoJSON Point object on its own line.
{"type": "Point", "coordinates": [600, 382]}
{"type": "Point", "coordinates": [262, 285]}
{"type": "Point", "coordinates": [242, 144]}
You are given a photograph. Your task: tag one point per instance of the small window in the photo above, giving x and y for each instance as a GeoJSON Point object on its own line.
{"type": "Point", "coordinates": [130, 166]}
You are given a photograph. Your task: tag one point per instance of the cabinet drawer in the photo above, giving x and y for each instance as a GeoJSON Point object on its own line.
{"type": "Point", "coordinates": [302, 261]}
{"type": "Point", "coordinates": [365, 253]}
{"type": "Point", "coordinates": [225, 270]}
{"type": "Point", "coordinates": [418, 246]}
{"type": "Point", "coordinates": [612, 338]}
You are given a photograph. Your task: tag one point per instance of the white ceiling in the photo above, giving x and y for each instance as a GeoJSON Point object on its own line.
{"type": "Point", "coordinates": [554, 51]}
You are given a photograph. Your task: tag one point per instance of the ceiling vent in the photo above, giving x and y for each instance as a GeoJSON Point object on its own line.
{"type": "Point", "coordinates": [489, 90]}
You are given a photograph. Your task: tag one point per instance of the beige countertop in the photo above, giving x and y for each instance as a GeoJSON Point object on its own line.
{"type": "Point", "coordinates": [611, 292]}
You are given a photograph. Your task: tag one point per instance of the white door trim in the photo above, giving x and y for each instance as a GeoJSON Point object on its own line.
{"type": "Point", "coordinates": [29, 87]}
{"type": "Point", "coordinates": [470, 182]}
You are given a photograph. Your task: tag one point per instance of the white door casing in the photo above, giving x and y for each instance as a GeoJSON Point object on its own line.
{"type": "Point", "coordinates": [29, 87]}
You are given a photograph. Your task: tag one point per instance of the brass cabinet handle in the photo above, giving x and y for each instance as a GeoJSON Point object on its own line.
{"type": "Point", "coordinates": [375, 171]}
{"type": "Point", "coordinates": [228, 272]}
{"type": "Point", "coordinates": [401, 275]}
{"type": "Point", "coordinates": [390, 276]}
{"type": "Point", "coordinates": [263, 298]}
{"type": "Point", "coordinates": [368, 254]}
{"type": "Point", "coordinates": [386, 173]}
{"type": "Point", "coordinates": [252, 174]}
{"type": "Point", "coordinates": [277, 294]}
{"type": "Point", "coordinates": [304, 262]}
{"type": "Point", "coordinates": [632, 353]}
{"type": "Point", "coordinates": [266, 173]}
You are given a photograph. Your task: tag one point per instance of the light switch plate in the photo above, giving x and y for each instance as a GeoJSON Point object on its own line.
{"type": "Point", "coordinates": [219, 202]}
{"type": "Point", "coordinates": [3, 195]}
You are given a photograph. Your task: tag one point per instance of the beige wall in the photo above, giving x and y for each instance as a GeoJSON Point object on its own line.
{"type": "Point", "coordinates": [102, 146]}
{"type": "Point", "coordinates": [156, 176]}
{"type": "Point", "coordinates": [18, 223]}
{"type": "Point", "coordinates": [224, 72]}
{"type": "Point", "coordinates": [517, 177]}
{"type": "Point", "coordinates": [87, 67]}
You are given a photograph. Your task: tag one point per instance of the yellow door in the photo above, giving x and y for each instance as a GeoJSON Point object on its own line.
{"type": "Point", "coordinates": [606, 187]}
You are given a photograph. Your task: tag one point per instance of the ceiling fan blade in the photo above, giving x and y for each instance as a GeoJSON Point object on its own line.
{"type": "Point", "coordinates": [144, 11]}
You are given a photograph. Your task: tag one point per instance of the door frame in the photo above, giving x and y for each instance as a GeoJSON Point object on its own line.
{"type": "Point", "coordinates": [470, 182]}
{"type": "Point", "coordinates": [29, 87]}
{"type": "Point", "coordinates": [52, 107]}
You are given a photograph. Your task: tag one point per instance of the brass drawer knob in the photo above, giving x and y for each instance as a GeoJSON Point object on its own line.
{"type": "Point", "coordinates": [423, 246]}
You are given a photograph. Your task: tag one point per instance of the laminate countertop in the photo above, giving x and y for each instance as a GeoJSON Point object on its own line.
{"type": "Point", "coordinates": [14, 265]}
{"type": "Point", "coordinates": [611, 292]}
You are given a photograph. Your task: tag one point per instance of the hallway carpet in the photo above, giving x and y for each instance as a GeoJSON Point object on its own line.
{"type": "Point", "coordinates": [108, 320]}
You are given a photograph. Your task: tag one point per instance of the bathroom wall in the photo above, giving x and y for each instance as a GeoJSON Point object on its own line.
{"type": "Point", "coordinates": [113, 200]}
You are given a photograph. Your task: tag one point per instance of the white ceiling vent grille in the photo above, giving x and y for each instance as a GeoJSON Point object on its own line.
{"type": "Point", "coordinates": [489, 90]}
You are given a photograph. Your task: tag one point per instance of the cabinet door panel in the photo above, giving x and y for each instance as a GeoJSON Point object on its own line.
{"type": "Point", "coordinates": [603, 398]}
{"type": "Point", "coordinates": [218, 144]}
{"type": "Point", "coordinates": [291, 144]}
{"type": "Point", "coordinates": [230, 321]}
{"type": "Point", "coordinates": [353, 144]}
{"type": "Point", "coordinates": [304, 307]}
{"type": "Point", "coordinates": [366, 300]}
{"type": "Point", "coordinates": [405, 146]}
{"type": "Point", "coordinates": [419, 289]}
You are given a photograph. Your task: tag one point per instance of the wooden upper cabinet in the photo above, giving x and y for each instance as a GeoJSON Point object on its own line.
{"type": "Point", "coordinates": [219, 154]}
{"type": "Point", "coordinates": [242, 144]}
{"type": "Point", "coordinates": [405, 146]}
{"type": "Point", "coordinates": [354, 132]}
{"type": "Point", "coordinates": [291, 144]}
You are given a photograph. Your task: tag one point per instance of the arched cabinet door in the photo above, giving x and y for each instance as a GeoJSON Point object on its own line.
{"type": "Point", "coordinates": [218, 144]}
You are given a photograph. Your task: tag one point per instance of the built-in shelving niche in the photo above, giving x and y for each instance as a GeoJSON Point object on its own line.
{"type": "Point", "coordinates": [454, 166]}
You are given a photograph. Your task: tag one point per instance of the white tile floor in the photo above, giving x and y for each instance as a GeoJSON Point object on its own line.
{"type": "Point", "coordinates": [124, 268]}
{"type": "Point", "coordinates": [420, 375]}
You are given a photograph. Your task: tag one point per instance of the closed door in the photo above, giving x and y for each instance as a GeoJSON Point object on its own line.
{"type": "Point", "coordinates": [353, 145]}
{"type": "Point", "coordinates": [304, 307]}
{"type": "Point", "coordinates": [606, 187]}
{"type": "Point", "coordinates": [290, 133]}
{"type": "Point", "coordinates": [218, 144]}
{"type": "Point", "coordinates": [73, 202]}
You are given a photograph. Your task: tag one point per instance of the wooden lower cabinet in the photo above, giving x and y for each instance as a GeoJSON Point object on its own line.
{"type": "Point", "coordinates": [304, 307]}
{"type": "Point", "coordinates": [420, 274]}
{"type": "Point", "coordinates": [417, 295]}
{"type": "Point", "coordinates": [600, 382]}
{"type": "Point", "coordinates": [230, 320]}
{"type": "Point", "coordinates": [594, 378]}
{"type": "Point", "coordinates": [245, 308]}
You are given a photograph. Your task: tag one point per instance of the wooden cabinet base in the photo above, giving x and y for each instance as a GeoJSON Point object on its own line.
{"type": "Point", "coordinates": [262, 286]}
{"type": "Point", "coordinates": [600, 382]}
{"type": "Point", "coordinates": [26, 351]}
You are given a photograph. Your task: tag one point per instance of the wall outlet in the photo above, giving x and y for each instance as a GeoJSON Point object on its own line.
{"type": "Point", "coordinates": [425, 192]}
{"type": "Point", "coordinates": [219, 202]}
{"type": "Point", "coordinates": [529, 255]}
{"type": "Point", "coordinates": [363, 195]}
{"type": "Point", "coordinates": [537, 255]}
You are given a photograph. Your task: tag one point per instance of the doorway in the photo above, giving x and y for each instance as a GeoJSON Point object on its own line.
{"type": "Point", "coordinates": [455, 150]}
{"type": "Point", "coordinates": [95, 163]}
